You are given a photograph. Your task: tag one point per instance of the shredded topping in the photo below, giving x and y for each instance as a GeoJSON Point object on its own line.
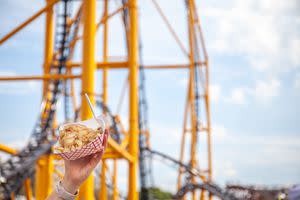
{"type": "Point", "coordinates": [75, 136]}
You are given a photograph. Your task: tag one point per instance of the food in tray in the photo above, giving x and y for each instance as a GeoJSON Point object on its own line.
{"type": "Point", "coordinates": [74, 136]}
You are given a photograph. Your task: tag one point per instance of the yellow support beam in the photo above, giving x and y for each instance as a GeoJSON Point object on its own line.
{"type": "Point", "coordinates": [105, 53]}
{"type": "Point", "coordinates": [28, 191]}
{"type": "Point", "coordinates": [114, 180]}
{"type": "Point", "coordinates": [172, 31]}
{"type": "Point", "coordinates": [193, 118]}
{"type": "Point", "coordinates": [49, 43]}
{"type": "Point", "coordinates": [39, 77]}
{"type": "Point", "coordinates": [124, 65]}
{"type": "Point", "coordinates": [208, 126]}
{"type": "Point", "coordinates": [7, 149]}
{"type": "Point", "coordinates": [101, 65]}
{"type": "Point", "coordinates": [86, 191]}
{"type": "Point", "coordinates": [112, 155]}
{"type": "Point", "coordinates": [44, 165]}
{"type": "Point", "coordinates": [43, 180]}
{"type": "Point", "coordinates": [105, 17]}
{"type": "Point", "coordinates": [103, 188]}
{"type": "Point", "coordinates": [122, 151]}
{"type": "Point", "coordinates": [133, 99]}
{"type": "Point", "coordinates": [28, 21]}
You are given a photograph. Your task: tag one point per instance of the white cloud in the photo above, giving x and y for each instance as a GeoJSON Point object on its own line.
{"type": "Point", "coordinates": [243, 26]}
{"type": "Point", "coordinates": [297, 81]}
{"type": "Point", "coordinates": [7, 73]}
{"type": "Point", "coordinates": [214, 89]}
{"type": "Point", "coordinates": [215, 92]}
{"type": "Point", "coordinates": [295, 51]}
{"type": "Point", "coordinates": [260, 30]}
{"type": "Point", "coordinates": [265, 90]}
{"type": "Point", "coordinates": [183, 82]}
{"type": "Point", "coordinates": [253, 149]}
{"type": "Point", "coordinates": [278, 141]}
{"type": "Point", "coordinates": [171, 134]}
{"type": "Point", "coordinates": [229, 169]}
{"type": "Point", "coordinates": [238, 96]}
{"type": "Point", "coordinates": [22, 11]}
{"type": "Point", "coordinates": [219, 133]}
{"type": "Point", "coordinates": [18, 144]}
{"type": "Point", "coordinates": [17, 88]}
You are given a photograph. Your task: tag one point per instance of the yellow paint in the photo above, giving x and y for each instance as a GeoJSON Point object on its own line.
{"type": "Point", "coordinates": [114, 178]}
{"type": "Point", "coordinates": [49, 42]}
{"type": "Point", "coordinates": [192, 98]}
{"type": "Point", "coordinates": [28, 191]}
{"type": "Point", "coordinates": [88, 77]}
{"type": "Point", "coordinates": [44, 77]}
{"type": "Point", "coordinates": [190, 106]}
{"type": "Point", "coordinates": [124, 65]}
{"type": "Point", "coordinates": [129, 146]}
{"type": "Point", "coordinates": [7, 149]}
{"type": "Point", "coordinates": [122, 151]}
{"type": "Point", "coordinates": [103, 188]}
{"type": "Point", "coordinates": [28, 21]}
{"type": "Point", "coordinates": [133, 99]}
{"type": "Point", "coordinates": [44, 165]}
{"type": "Point", "coordinates": [43, 179]}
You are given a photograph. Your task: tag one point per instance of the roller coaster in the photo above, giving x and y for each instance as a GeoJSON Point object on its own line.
{"type": "Point", "coordinates": [132, 145]}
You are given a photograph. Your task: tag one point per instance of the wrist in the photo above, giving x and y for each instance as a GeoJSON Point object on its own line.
{"type": "Point", "coordinates": [69, 186]}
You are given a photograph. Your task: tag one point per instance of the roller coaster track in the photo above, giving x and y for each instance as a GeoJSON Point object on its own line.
{"type": "Point", "coordinates": [166, 157]}
{"type": "Point", "coordinates": [211, 188]}
{"type": "Point", "coordinates": [145, 168]}
{"type": "Point", "coordinates": [254, 193]}
{"type": "Point", "coordinates": [20, 166]}
{"type": "Point", "coordinates": [114, 130]}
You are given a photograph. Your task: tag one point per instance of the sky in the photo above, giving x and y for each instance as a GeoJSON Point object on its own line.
{"type": "Point", "coordinates": [253, 48]}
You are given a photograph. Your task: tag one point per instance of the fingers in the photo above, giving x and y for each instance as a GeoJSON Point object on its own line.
{"type": "Point", "coordinates": [106, 134]}
{"type": "Point", "coordinates": [97, 156]}
{"type": "Point", "coordinates": [93, 159]}
{"type": "Point", "coordinates": [96, 159]}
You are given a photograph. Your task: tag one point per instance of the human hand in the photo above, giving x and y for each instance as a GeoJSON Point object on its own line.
{"type": "Point", "coordinates": [77, 171]}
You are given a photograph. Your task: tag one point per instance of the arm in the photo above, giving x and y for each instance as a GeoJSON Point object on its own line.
{"type": "Point", "coordinates": [77, 171]}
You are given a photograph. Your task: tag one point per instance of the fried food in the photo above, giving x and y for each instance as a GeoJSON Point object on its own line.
{"type": "Point", "coordinates": [75, 136]}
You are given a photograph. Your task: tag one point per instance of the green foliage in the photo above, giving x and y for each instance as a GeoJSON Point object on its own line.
{"type": "Point", "coordinates": [157, 193]}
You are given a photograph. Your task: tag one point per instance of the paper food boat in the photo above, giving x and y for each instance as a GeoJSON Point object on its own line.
{"type": "Point", "coordinates": [88, 149]}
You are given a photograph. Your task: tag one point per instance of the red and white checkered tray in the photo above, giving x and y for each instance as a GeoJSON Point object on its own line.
{"type": "Point", "coordinates": [92, 147]}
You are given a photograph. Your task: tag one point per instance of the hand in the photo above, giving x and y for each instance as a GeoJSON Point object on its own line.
{"type": "Point", "coordinates": [77, 171]}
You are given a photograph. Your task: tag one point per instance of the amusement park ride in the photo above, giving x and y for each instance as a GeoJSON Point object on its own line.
{"type": "Point", "coordinates": [63, 32]}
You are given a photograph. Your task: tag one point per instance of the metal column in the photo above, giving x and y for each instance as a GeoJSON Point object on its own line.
{"type": "Point", "coordinates": [103, 188]}
{"type": "Point", "coordinates": [133, 99]}
{"type": "Point", "coordinates": [88, 78]}
{"type": "Point", "coordinates": [44, 166]}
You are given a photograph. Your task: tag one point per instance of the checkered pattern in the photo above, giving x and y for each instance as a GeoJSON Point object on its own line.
{"type": "Point", "coordinates": [91, 148]}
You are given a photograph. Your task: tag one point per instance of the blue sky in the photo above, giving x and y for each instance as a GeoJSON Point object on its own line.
{"type": "Point", "coordinates": [254, 48]}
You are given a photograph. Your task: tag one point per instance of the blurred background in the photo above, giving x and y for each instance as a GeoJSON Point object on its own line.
{"type": "Point", "coordinates": [253, 48]}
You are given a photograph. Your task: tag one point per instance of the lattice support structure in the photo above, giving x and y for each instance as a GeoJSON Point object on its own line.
{"type": "Point", "coordinates": [58, 79]}
{"type": "Point", "coordinates": [197, 110]}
